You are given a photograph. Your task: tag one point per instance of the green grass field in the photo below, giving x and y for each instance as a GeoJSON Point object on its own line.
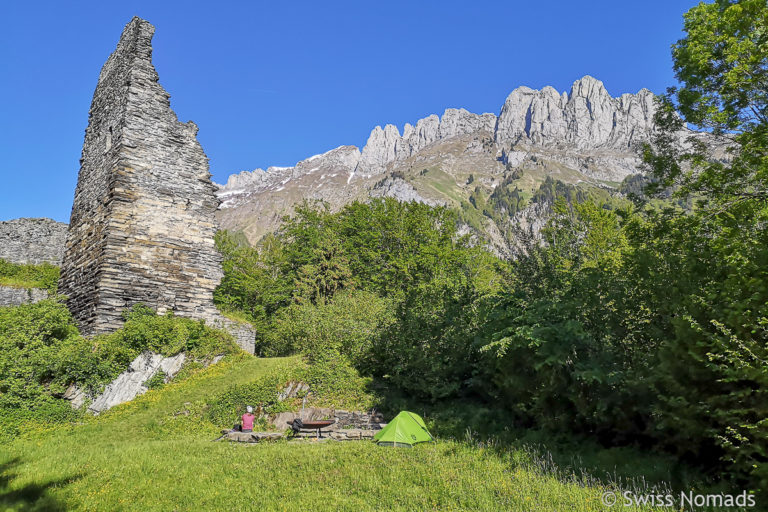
{"type": "Point", "coordinates": [155, 453]}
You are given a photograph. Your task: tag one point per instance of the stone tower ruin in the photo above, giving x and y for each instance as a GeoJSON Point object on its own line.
{"type": "Point", "coordinates": [142, 223]}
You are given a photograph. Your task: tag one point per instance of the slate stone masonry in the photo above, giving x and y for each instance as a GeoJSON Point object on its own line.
{"type": "Point", "coordinates": [10, 296]}
{"type": "Point", "coordinates": [142, 223]}
{"type": "Point", "coordinates": [32, 241]}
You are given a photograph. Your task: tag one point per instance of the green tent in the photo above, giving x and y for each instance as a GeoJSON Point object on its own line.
{"type": "Point", "coordinates": [406, 429]}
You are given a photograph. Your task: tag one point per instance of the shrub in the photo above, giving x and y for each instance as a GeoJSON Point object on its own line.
{"type": "Point", "coordinates": [43, 275]}
{"type": "Point", "coordinates": [332, 380]}
{"type": "Point", "coordinates": [42, 353]}
{"type": "Point", "coordinates": [349, 323]}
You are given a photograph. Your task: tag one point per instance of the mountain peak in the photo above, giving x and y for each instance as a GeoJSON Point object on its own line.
{"type": "Point", "coordinates": [587, 117]}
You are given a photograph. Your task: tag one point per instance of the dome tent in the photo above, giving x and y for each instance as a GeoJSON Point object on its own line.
{"type": "Point", "coordinates": [405, 430]}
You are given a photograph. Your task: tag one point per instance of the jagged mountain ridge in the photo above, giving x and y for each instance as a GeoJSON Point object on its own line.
{"type": "Point", "coordinates": [585, 136]}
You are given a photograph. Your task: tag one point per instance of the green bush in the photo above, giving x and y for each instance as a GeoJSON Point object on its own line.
{"type": "Point", "coordinates": [44, 275]}
{"type": "Point", "coordinates": [168, 334]}
{"type": "Point", "coordinates": [332, 380]}
{"type": "Point", "coordinates": [31, 337]}
{"type": "Point", "coordinates": [157, 380]}
{"type": "Point", "coordinates": [349, 323]}
{"type": "Point", "coordinates": [42, 353]}
{"type": "Point", "coordinates": [262, 394]}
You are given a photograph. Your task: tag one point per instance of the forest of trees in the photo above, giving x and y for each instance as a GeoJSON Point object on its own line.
{"type": "Point", "coordinates": [643, 325]}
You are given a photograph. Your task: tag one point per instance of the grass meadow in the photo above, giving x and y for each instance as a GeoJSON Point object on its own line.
{"type": "Point", "coordinates": [157, 454]}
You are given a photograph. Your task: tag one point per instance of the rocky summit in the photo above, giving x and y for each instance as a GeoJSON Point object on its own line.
{"type": "Point", "coordinates": [583, 137]}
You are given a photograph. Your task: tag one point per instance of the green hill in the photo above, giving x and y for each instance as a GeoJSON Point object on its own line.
{"type": "Point", "coordinates": [157, 453]}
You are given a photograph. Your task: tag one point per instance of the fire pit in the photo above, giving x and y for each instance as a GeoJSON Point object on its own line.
{"type": "Point", "coordinates": [315, 424]}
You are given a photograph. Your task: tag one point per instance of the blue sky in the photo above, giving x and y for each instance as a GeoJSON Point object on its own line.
{"type": "Point", "coordinates": [271, 83]}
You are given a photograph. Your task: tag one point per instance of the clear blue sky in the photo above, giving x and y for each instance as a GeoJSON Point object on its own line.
{"type": "Point", "coordinates": [271, 83]}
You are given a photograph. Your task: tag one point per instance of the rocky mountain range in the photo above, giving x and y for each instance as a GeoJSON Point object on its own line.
{"type": "Point", "coordinates": [583, 137]}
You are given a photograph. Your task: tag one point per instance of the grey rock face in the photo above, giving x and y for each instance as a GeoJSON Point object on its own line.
{"type": "Point", "coordinates": [414, 138]}
{"type": "Point", "coordinates": [381, 147]}
{"type": "Point", "coordinates": [76, 396]}
{"type": "Point", "coordinates": [32, 241]}
{"type": "Point", "coordinates": [580, 136]}
{"type": "Point", "coordinates": [401, 190]}
{"type": "Point", "coordinates": [10, 296]}
{"type": "Point", "coordinates": [143, 218]}
{"type": "Point", "coordinates": [131, 383]}
{"type": "Point", "coordinates": [587, 117]}
{"type": "Point", "coordinates": [385, 146]}
{"type": "Point", "coordinates": [338, 162]}
{"type": "Point", "coordinates": [457, 122]}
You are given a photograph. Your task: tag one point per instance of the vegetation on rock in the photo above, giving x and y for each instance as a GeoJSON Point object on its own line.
{"type": "Point", "coordinates": [42, 353]}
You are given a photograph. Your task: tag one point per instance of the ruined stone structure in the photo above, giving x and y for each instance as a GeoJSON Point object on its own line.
{"type": "Point", "coordinates": [12, 296]}
{"type": "Point", "coordinates": [32, 241]}
{"type": "Point", "coordinates": [142, 223]}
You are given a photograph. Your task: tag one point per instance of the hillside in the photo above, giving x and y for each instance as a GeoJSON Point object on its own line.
{"type": "Point", "coordinates": [156, 453]}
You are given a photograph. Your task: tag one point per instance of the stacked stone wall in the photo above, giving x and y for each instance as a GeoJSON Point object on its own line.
{"type": "Point", "coordinates": [32, 241]}
{"type": "Point", "coordinates": [142, 226]}
{"type": "Point", "coordinates": [10, 296]}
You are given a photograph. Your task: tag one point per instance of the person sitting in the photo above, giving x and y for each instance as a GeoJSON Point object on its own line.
{"type": "Point", "coordinates": [248, 418]}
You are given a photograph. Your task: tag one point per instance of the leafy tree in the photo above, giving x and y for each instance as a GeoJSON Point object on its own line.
{"type": "Point", "coordinates": [347, 324]}
{"type": "Point", "coordinates": [327, 273]}
{"type": "Point", "coordinates": [722, 64]}
{"type": "Point", "coordinates": [254, 281]}
{"type": "Point", "coordinates": [712, 375]}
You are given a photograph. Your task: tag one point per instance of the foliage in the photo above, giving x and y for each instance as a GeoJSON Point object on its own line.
{"type": "Point", "coordinates": [31, 337]}
{"type": "Point", "coordinates": [561, 357]}
{"type": "Point", "coordinates": [157, 380]}
{"type": "Point", "coordinates": [349, 323]}
{"type": "Point", "coordinates": [390, 286]}
{"type": "Point", "coordinates": [506, 197]}
{"type": "Point", "coordinates": [168, 334]}
{"type": "Point", "coordinates": [722, 64]}
{"type": "Point", "coordinates": [262, 394]}
{"type": "Point", "coordinates": [553, 189]}
{"type": "Point", "coordinates": [713, 365]}
{"type": "Point", "coordinates": [44, 275]}
{"type": "Point", "coordinates": [92, 363]}
{"type": "Point", "coordinates": [332, 381]}
{"type": "Point", "coordinates": [42, 353]}
{"type": "Point", "coordinates": [155, 453]}
{"type": "Point", "coordinates": [254, 283]}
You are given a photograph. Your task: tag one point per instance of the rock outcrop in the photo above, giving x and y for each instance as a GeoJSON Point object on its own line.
{"type": "Point", "coordinates": [32, 241]}
{"type": "Point", "coordinates": [143, 218]}
{"type": "Point", "coordinates": [386, 145]}
{"type": "Point", "coordinates": [397, 188]}
{"type": "Point", "coordinates": [586, 118]}
{"type": "Point", "coordinates": [129, 384]}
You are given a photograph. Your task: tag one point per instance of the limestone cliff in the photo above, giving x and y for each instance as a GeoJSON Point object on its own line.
{"type": "Point", "coordinates": [584, 136]}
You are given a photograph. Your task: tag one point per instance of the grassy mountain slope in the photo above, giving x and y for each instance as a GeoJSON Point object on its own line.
{"type": "Point", "coordinates": [451, 172]}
